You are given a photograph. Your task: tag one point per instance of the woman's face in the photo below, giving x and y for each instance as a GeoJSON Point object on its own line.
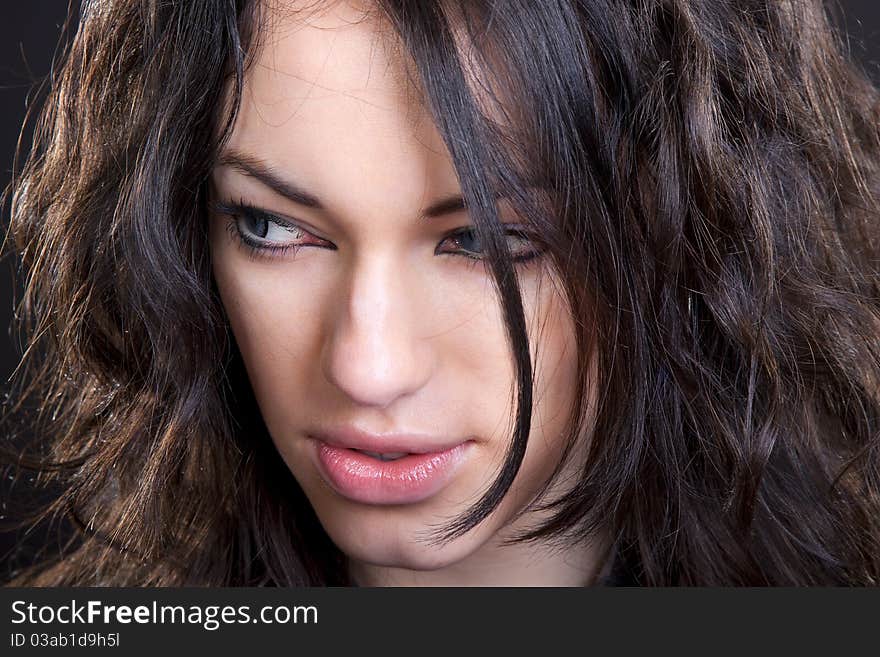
{"type": "Point", "coordinates": [366, 320]}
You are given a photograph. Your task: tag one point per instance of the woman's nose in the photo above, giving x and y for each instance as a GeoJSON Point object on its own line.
{"type": "Point", "coordinates": [375, 352]}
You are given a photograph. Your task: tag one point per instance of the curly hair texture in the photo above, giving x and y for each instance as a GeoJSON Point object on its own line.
{"type": "Point", "coordinates": [710, 198]}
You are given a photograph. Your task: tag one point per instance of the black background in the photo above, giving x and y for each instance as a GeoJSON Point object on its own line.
{"type": "Point", "coordinates": [28, 34]}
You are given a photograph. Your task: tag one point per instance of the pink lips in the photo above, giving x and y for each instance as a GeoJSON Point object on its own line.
{"type": "Point", "coordinates": [364, 478]}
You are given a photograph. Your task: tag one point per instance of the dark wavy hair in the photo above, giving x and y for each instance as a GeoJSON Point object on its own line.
{"type": "Point", "coordinates": [705, 175]}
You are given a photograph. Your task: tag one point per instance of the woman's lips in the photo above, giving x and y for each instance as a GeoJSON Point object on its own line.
{"type": "Point", "coordinates": [406, 480]}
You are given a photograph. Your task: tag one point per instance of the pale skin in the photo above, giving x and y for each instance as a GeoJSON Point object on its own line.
{"type": "Point", "coordinates": [380, 319]}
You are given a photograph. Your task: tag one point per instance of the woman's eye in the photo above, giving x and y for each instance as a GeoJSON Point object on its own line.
{"type": "Point", "coordinates": [466, 242]}
{"type": "Point", "coordinates": [262, 227]}
{"type": "Point", "coordinates": [263, 233]}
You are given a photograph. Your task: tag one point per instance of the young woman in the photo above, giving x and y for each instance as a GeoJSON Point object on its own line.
{"type": "Point", "coordinates": [390, 293]}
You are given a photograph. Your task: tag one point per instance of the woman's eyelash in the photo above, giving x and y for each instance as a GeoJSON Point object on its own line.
{"type": "Point", "coordinates": [510, 231]}
{"type": "Point", "coordinates": [235, 213]}
{"type": "Point", "coordinates": [253, 249]}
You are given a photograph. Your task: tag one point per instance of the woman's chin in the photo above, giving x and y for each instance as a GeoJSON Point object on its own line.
{"type": "Point", "coordinates": [401, 536]}
{"type": "Point", "coordinates": [401, 547]}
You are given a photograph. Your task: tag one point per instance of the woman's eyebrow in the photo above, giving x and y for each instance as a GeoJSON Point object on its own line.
{"type": "Point", "coordinates": [256, 168]}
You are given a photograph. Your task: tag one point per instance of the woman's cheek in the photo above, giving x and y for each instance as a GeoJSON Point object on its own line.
{"type": "Point", "coordinates": [274, 314]}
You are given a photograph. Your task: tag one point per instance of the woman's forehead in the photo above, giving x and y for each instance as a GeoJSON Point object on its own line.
{"type": "Point", "coordinates": [328, 98]}
{"type": "Point", "coordinates": [316, 49]}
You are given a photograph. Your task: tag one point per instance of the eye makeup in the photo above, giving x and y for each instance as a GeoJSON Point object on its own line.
{"type": "Point", "coordinates": [265, 234]}
{"type": "Point", "coordinates": [519, 243]}
{"type": "Point", "coordinates": [252, 226]}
